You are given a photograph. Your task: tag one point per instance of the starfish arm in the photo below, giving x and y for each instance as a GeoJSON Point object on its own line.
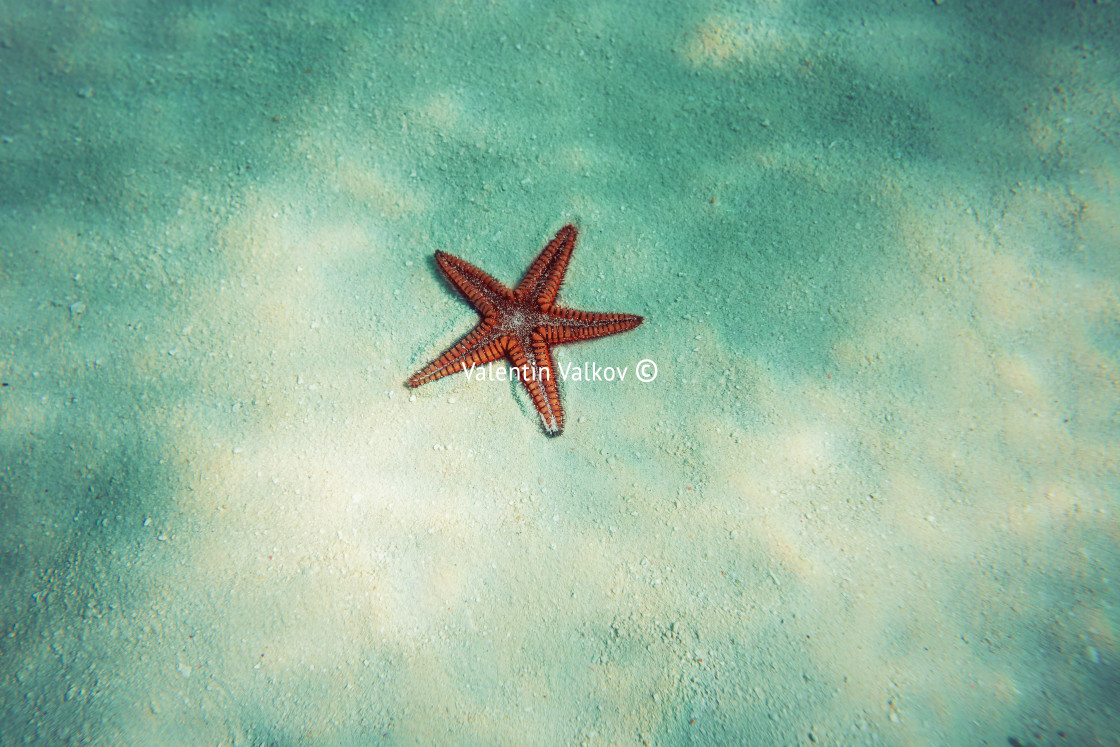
{"type": "Point", "coordinates": [542, 282]}
{"type": "Point", "coordinates": [534, 360]}
{"type": "Point", "coordinates": [478, 348]}
{"type": "Point", "coordinates": [483, 292]}
{"type": "Point", "coordinates": [569, 325]}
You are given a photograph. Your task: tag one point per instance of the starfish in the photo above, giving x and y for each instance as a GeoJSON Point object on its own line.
{"type": "Point", "coordinates": [522, 324]}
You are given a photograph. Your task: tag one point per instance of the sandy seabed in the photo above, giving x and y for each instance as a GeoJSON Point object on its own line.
{"type": "Point", "coordinates": [870, 498]}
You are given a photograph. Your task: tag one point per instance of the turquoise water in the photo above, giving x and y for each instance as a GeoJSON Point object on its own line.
{"type": "Point", "coordinates": [870, 497]}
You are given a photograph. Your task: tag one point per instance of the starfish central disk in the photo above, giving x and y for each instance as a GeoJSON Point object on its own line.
{"type": "Point", "coordinates": [522, 324]}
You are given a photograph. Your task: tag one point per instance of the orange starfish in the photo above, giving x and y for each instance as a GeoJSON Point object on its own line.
{"type": "Point", "coordinates": [521, 324]}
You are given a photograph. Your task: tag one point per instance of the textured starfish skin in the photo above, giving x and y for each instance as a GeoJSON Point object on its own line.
{"type": "Point", "coordinates": [521, 324]}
